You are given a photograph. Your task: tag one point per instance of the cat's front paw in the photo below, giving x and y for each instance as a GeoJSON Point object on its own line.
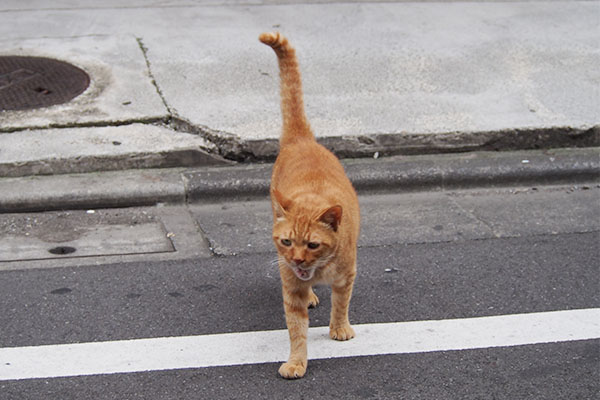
{"type": "Point", "coordinates": [344, 332]}
{"type": "Point", "coordinates": [292, 371]}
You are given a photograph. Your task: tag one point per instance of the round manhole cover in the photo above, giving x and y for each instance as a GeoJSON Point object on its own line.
{"type": "Point", "coordinates": [35, 82]}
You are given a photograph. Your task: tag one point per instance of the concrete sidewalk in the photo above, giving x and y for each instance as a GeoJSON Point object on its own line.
{"type": "Point", "coordinates": [440, 172]}
{"type": "Point", "coordinates": [186, 83]}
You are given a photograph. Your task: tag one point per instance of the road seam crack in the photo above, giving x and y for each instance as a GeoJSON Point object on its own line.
{"type": "Point", "coordinates": [475, 217]}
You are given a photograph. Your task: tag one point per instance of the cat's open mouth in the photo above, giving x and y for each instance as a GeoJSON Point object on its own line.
{"type": "Point", "coordinates": [303, 274]}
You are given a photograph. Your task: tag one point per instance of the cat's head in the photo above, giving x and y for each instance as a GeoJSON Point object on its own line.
{"type": "Point", "coordinates": [305, 233]}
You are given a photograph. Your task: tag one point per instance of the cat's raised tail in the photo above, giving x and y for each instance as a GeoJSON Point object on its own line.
{"type": "Point", "coordinates": [295, 124]}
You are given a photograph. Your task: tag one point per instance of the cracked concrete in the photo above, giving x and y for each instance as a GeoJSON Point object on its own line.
{"type": "Point", "coordinates": [119, 92]}
{"type": "Point", "coordinates": [73, 150]}
{"type": "Point", "coordinates": [144, 50]}
{"type": "Point", "coordinates": [379, 78]}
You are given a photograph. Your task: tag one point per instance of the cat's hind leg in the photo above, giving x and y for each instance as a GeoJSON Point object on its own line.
{"type": "Point", "coordinates": [313, 300]}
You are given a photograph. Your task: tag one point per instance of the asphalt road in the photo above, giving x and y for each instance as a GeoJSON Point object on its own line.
{"type": "Point", "coordinates": [478, 267]}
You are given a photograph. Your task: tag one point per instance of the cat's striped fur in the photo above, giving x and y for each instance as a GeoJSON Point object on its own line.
{"type": "Point", "coordinates": [315, 218]}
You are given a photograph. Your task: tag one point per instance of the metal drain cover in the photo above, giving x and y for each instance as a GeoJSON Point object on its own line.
{"type": "Point", "coordinates": [35, 82]}
{"type": "Point", "coordinates": [102, 240]}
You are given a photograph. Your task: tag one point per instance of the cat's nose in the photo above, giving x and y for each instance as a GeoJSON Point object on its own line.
{"type": "Point", "coordinates": [298, 261]}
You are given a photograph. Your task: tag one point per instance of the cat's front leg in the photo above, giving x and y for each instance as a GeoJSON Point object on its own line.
{"type": "Point", "coordinates": [296, 317]}
{"type": "Point", "coordinates": [339, 324]}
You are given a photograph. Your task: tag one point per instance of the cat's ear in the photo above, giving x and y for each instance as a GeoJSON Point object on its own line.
{"type": "Point", "coordinates": [332, 217]}
{"type": "Point", "coordinates": [281, 204]}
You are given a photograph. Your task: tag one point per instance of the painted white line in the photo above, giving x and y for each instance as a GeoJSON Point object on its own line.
{"type": "Point", "coordinates": [155, 354]}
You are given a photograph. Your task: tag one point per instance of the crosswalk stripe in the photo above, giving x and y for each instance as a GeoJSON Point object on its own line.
{"type": "Point", "coordinates": [167, 353]}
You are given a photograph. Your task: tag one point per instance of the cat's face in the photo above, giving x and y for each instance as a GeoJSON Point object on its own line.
{"type": "Point", "coordinates": [303, 245]}
{"type": "Point", "coordinates": [305, 237]}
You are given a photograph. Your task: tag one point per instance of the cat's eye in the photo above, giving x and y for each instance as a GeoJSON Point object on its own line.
{"type": "Point", "coordinates": [286, 242]}
{"type": "Point", "coordinates": [313, 245]}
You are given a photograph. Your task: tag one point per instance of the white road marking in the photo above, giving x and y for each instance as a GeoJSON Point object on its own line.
{"type": "Point", "coordinates": [153, 354]}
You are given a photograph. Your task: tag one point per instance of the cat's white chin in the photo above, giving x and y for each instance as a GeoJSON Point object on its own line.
{"type": "Point", "coordinates": [303, 274]}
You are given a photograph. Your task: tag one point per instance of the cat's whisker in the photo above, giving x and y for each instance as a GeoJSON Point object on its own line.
{"type": "Point", "coordinates": [274, 263]}
{"type": "Point", "coordinates": [278, 261]}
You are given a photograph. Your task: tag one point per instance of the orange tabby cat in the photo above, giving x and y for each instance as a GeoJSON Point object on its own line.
{"type": "Point", "coordinates": [315, 218]}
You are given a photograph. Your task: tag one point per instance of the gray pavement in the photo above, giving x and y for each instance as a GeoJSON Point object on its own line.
{"type": "Point", "coordinates": [185, 83]}
{"type": "Point", "coordinates": [442, 255]}
{"type": "Point", "coordinates": [133, 210]}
